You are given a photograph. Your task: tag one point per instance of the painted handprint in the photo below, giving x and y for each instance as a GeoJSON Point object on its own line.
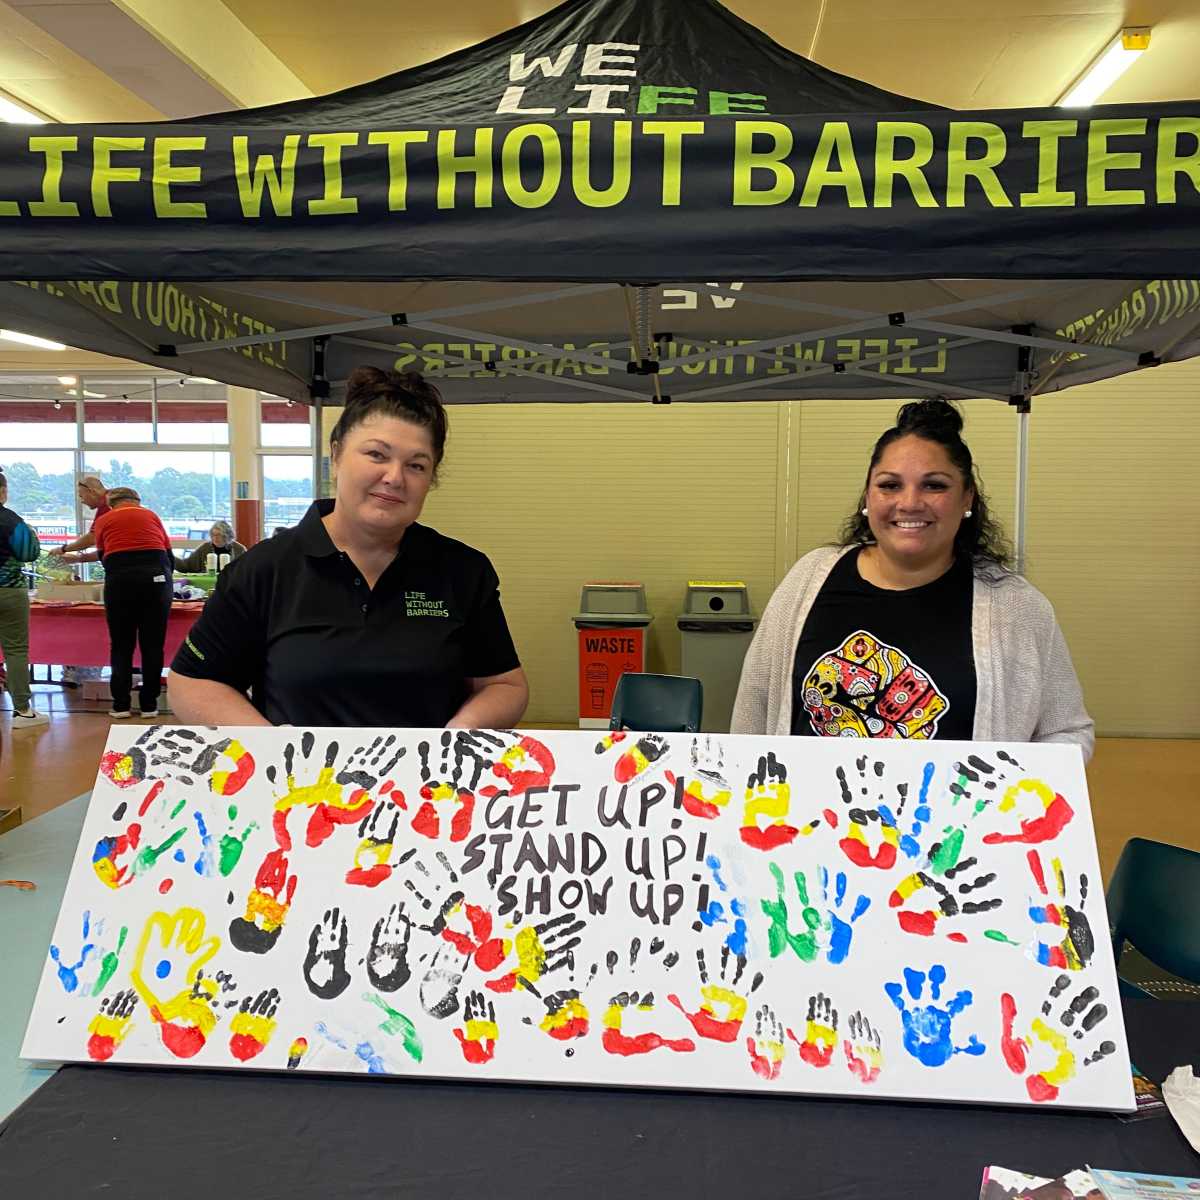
{"type": "Point", "coordinates": [874, 810]}
{"type": "Point", "coordinates": [616, 1038]}
{"type": "Point", "coordinates": [706, 792]}
{"type": "Point", "coordinates": [863, 1049]}
{"type": "Point", "coordinates": [722, 1006]}
{"type": "Point", "coordinates": [829, 931]}
{"type": "Point", "coordinates": [1051, 813]}
{"type": "Point", "coordinates": [341, 796]}
{"type": "Point", "coordinates": [766, 1048]}
{"type": "Point", "coordinates": [927, 1026]}
{"type": "Point", "coordinates": [171, 954]}
{"type": "Point", "coordinates": [768, 795]}
{"type": "Point", "coordinates": [258, 929]}
{"type": "Point", "coordinates": [1063, 934]}
{"type": "Point", "coordinates": [637, 757]}
{"type": "Point", "coordinates": [725, 909]}
{"type": "Point", "coordinates": [224, 855]}
{"type": "Point", "coordinates": [449, 780]}
{"type": "Point", "coordinates": [519, 761]}
{"type": "Point", "coordinates": [479, 1033]}
{"type": "Point", "coordinates": [396, 1024]}
{"type": "Point", "coordinates": [387, 956]}
{"type": "Point", "coordinates": [325, 964]}
{"type": "Point", "coordinates": [1077, 1018]}
{"type": "Point", "coordinates": [913, 896]}
{"type": "Point", "coordinates": [253, 1024]}
{"type": "Point", "coordinates": [111, 1025]}
{"type": "Point", "coordinates": [377, 843]}
{"type": "Point", "coordinates": [820, 1032]}
{"type": "Point", "coordinates": [69, 971]}
{"type": "Point", "coordinates": [120, 858]}
{"type": "Point", "coordinates": [165, 752]}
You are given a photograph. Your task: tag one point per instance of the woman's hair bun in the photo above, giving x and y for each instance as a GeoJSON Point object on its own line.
{"type": "Point", "coordinates": [930, 416]}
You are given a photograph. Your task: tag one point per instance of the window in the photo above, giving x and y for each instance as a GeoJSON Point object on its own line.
{"type": "Point", "coordinates": [285, 424]}
{"type": "Point", "coordinates": [286, 490]}
{"type": "Point", "coordinates": [41, 487]}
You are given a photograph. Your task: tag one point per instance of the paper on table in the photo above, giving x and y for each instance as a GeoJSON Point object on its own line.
{"type": "Point", "coordinates": [1181, 1091]}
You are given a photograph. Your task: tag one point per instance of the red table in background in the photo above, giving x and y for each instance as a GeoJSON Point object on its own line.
{"type": "Point", "coordinates": [76, 634]}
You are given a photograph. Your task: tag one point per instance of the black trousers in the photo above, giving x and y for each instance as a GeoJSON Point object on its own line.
{"type": "Point", "coordinates": [136, 606]}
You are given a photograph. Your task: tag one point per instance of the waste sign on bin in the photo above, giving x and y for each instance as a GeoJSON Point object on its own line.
{"type": "Point", "coordinates": [612, 622]}
{"type": "Point", "coordinates": [716, 627]}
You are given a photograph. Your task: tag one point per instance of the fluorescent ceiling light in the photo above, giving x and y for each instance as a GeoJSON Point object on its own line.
{"type": "Point", "coordinates": [18, 114]}
{"type": "Point", "coordinates": [27, 339]}
{"type": "Point", "coordinates": [1109, 65]}
{"type": "Point", "coordinates": [68, 380]}
{"type": "Point", "coordinates": [201, 379]}
{"type": "Point", "coordinates": [96, 395]}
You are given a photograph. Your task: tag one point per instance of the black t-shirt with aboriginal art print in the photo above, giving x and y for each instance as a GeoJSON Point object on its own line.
{"type": "Point", "coordinates": [878, 663]}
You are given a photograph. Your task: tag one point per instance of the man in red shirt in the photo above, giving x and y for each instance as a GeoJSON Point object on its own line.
{"type": "Point", "coordinates": [94, 495]}
{"type": "Point", "coordinates": [136, 552]}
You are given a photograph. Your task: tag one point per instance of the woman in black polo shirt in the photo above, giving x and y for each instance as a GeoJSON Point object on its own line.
{"type": "Point", "coordinates": [359, 615]}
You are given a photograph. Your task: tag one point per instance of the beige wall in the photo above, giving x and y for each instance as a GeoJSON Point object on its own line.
{"type": "Point", "coordinates": [559, 494]}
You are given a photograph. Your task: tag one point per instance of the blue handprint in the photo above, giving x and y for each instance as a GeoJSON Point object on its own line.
{"type": "Point", "coordinates": [910, 842]}
{"type": "Point", "coordinates": [714, 912]}
{"type": "Point", "coordinates": [68, 973]}
{"type": "Point", "coordinates": [841, 930]}
{"type": "Point", "coordinates": [927, 1027]}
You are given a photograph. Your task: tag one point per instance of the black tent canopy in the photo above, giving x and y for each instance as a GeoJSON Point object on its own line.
{"type": "Point", "coordinates": [620, 200]}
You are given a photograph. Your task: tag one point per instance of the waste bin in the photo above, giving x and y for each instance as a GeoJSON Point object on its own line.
{"type": "Point", "coordinates": [611, 627]}
{"type": "Point", "coordinates": [716, 626]}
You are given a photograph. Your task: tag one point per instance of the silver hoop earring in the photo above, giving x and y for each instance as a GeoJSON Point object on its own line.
{"type": "Point", "coordinates": [967, 513]}
{"type": "Point", "coordinates": [864, 512]}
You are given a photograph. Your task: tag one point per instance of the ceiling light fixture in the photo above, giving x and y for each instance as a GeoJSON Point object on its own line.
{"type": "Point", "coordinates": [18, 114]}
{"type": "Point", "coordinates": [68, 380]}
{"type": "Point", "coordinates": [1107, 67]}
{"type": "Point", "coordinates": [96, 395]}
{"type": "Point", "coordinates": [27, 339]}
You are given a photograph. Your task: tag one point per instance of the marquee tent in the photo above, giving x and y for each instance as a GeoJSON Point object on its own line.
{"type": "Point", "coordinates": [620, 200]}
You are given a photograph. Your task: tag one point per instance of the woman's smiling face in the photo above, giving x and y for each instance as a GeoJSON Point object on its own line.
{"type": "Point", "coordinates": [385, 469]}
{"type": "Point", "coordinates": [916, 499]}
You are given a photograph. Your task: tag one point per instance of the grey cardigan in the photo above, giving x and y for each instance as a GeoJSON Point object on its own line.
{"type": "Point", "coordinates": [1026, 687]}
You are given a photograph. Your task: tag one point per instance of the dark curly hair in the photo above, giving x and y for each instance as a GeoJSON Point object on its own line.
{"type": "Point", "coordinates": [407, 397]}
{"type": "Point", "coordinates": [979, 537]}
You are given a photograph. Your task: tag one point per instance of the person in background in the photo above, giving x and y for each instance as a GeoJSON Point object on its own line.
{"type": "Point", "coordinates": [18, 546]}
{"type": "Point", "coordinates": [915, 626]}
{"type": "Point", "coordinates": [93, 495]}
{"type": "Point", "coordinates": [360, 615]}
{"type": "Point", "coordinates": [220, 541]}
{"type": "Point", "coordinates": [136, 552]}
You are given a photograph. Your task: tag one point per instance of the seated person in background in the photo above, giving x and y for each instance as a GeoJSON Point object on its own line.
{"type": "Point", "coordinates": [136, 552]}
{"type": "Point", "coordinates": [220, 541]}
{"type": "Point", "coordinates": [915, 626]}
{"type": "Point", "coordinates": [359, 615]}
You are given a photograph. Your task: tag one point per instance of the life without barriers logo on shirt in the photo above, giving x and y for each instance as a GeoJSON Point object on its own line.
{"type": "Point", "coordinates": [417, 604]}
{"type": "Point", "coordinates": [866, 688]}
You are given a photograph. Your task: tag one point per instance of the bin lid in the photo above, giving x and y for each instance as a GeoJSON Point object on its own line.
{"type": "Point", "coordinates": [716, 599]}
{"type": "Point", "coordinates": [592, 620]}
{"type": "Point", "coordinates": [609, 598]}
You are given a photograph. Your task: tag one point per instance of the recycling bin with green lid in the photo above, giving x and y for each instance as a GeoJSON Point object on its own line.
{"type": "Point", "coordinates": [611, 627]}
{"type": "Point", "coordinates": [715, 627]}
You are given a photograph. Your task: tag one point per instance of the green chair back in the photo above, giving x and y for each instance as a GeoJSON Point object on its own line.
{"type": "Point", "coordinates": [1154, 903]}
{"type": "Point", "coordinates": [657, 703]}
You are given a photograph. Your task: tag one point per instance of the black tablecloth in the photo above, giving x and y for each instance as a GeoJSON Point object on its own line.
{"type": "Point", "coordinates": [134, 1132]}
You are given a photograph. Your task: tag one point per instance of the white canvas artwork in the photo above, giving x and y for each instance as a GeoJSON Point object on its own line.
{"type": "Point", "coordinates": [831, 916]}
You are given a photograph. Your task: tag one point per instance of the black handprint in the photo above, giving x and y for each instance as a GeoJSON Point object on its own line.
{"type": "Point", "coordinates": [325, 964]}
{"type": "Point", "coordinates": [387, 957]}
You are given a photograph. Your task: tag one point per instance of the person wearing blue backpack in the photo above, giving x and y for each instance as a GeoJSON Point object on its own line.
{"type": "Point", "coordinates": [18, 546]}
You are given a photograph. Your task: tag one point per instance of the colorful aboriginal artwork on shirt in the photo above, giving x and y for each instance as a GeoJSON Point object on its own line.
{"type": "Point", "coordinates": [866, 688]}
{"type": "Point", "coordinates": [899, 918]}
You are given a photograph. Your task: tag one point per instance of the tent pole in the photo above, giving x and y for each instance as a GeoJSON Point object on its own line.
{"type": "Point", "coordinates": [1022, 492]}
{"type": "Point", "coordinates": [317, 447]}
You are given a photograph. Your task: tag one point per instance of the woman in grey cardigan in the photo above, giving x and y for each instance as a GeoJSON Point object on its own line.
{"type": "Point", "coordinates": [914, 626]}
{"type": "Point", "coordinates": [220, 541]}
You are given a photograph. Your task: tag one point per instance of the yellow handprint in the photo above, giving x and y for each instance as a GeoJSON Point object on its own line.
{"type": "Point", "coordinates": [174, 945]}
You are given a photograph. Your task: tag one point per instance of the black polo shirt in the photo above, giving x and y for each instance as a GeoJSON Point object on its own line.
{"type": "Point", "coordinates": [293, 623]}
